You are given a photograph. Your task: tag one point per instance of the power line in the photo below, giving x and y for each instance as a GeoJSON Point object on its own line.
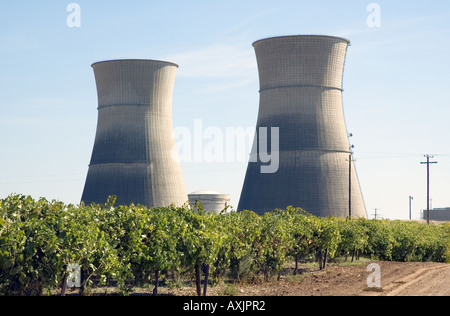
{"type": "Point", "coordinates": [44, 176]}
{"type": "Point", "coordinates": [391, 155]}
{"type": "Point", "coordinates": [34, 179]}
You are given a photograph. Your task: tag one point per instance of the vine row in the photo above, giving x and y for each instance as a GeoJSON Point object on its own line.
{"type": "Point", "coordinates": [131, 245]}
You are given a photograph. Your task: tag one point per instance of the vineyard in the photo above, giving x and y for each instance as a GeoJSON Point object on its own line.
{"type": "Point", "coordinates": [128, 246]}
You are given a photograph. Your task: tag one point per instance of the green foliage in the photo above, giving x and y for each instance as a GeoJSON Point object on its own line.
{"type": "Point", "coordinates": [418, 242]}
{"type": "Point", "coordinates": [39, 239]}
{"type": "Point", "coordinates": [241, 233]}
{"type": "Point", "coordinates": [354, 237]}
{"type": "Point", "coordinates": [326, 239]}
{"type": "Point", "coordinates": [272, 247]}
{"type": "Point", "coordinates": [127, 245]}
{"type": "Point", "coordinates": [380, 241]}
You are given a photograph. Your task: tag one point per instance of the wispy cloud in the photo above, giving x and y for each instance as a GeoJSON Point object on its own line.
{"type": "Point", "coordinates": [216, 61]}
{"type": "Point", "coordinates": [232, 57]}
{"type": "Point", "coordinates": [248, 21]}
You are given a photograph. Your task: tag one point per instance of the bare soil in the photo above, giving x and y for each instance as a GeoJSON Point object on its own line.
{"type": "Point", "coordinates": [397, 279]}
{"type": "Point", "coordinates": [337, 279]}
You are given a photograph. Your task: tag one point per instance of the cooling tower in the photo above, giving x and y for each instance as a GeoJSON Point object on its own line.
{"type": "Point", "coordinates": [211, 201]}
{"type": "Point", "coordinates": [301, 95]}
{"type": "Point", "coordinates": [132, 156]}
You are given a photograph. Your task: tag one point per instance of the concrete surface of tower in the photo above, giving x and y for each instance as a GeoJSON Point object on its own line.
{"type": "Point", "coordinates": [301, 94]}
{"type": "Point", "coordinates": [133, 151]}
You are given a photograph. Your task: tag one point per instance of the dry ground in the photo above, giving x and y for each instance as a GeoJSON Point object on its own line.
{"type": "Point", "coordinates": [397, 279]}
{"type": "Point", "coordinates": [343, 279]}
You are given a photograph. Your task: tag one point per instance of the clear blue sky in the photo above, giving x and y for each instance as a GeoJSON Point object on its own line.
{"type": "Point", "coordinates": [396, 98]}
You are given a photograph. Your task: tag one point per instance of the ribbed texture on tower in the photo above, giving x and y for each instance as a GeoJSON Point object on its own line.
{"type": "Point", "coordinates": [301, 94]}
{"type": "Point", "coordinates": [133, 150]}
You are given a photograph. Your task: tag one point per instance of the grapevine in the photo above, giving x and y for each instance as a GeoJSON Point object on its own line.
{"type": "Point", "coordinates": [132, 245]}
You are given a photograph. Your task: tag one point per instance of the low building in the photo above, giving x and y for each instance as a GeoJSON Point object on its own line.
{"type": "Point", "coordinates": [438, 214]}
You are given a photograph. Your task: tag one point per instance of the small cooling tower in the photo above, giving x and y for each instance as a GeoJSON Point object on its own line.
{"type": "Point", "coordinates": [211, 201]}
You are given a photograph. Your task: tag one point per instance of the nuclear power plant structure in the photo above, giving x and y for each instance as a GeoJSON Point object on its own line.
{"type": "Point", "coordinates": [211, 201]}
{"type": "Point", "coordinates": [301, 95]}
{"type": "Point", "coordinates": [133, 155]}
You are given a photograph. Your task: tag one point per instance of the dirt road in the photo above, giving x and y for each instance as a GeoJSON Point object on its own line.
{"type": "Point", "coordinates": [433, 280]}
{"type": "Point", "coordinates": [397, 279]}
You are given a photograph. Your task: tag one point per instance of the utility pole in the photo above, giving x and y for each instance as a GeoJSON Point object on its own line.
{"type": "Point", "coordinates": [410, 199]}
{"type": "Point", "coordinates": [350, 185]}
{"type": "Point", "coordinates": [428, 183]}
{"type": "Point", "coordinates": [350, 159]}
{"type": "Point", "coordinates": [376, 214]}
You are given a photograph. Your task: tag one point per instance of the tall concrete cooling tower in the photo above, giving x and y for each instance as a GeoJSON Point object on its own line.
{"type": "Point", "coordinates": [301, 94]}
{"type": "Point", "coordinates": [132, 156]}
